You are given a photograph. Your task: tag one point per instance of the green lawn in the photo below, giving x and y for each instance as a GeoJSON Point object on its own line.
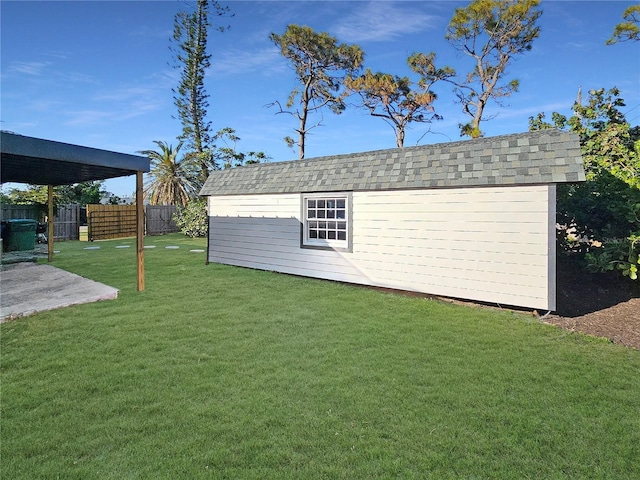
{"type": "Point", "coordinates": [223, 372]}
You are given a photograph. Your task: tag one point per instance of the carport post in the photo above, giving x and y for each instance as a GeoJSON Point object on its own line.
{"type": "Point", "coordinates": [50, 222]}
{"type": "Point", "coordinates": [140, 230]}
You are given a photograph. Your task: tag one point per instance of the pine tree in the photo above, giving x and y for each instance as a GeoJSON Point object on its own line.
{"type": "Point", "coordinates": [321, 65]}
{"type": "Point", "coordinates": [190, 97]}
{"type": "Point", "coordinates": [492, 33]}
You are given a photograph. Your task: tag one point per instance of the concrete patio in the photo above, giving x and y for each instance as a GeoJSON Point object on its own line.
{"type": "Point", "coordinates": [27, 288]}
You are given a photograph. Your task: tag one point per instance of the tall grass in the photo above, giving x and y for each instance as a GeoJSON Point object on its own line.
{"type": "Point", "coordinates": [222, 372]}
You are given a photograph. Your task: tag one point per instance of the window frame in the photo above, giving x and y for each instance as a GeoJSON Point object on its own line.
{"type": "Point", "coordinates": [326, 243]}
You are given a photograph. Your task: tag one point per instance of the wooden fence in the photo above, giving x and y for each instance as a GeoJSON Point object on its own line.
{"type": "Point", "coordinates": [66, 221]}
{"type": "Point", "coordinates": [26, 212]}
{"type": "Point", "coordinates": [117, 221]}
{"type": "Point", "coordinates": [104, 221]}
{"type": "Point", "coordinates": [111, 221]}
{"type": "Point", "coordinates": [159, 219]}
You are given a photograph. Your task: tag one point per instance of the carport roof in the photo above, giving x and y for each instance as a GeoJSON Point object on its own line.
{"type": "Point", "coordinates": [46, 162]}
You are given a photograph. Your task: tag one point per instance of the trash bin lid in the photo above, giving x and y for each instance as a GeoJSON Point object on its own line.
{"type": "Point", "coordinates": [21, 225]}
{"type": "Point", "coordinates": [20, 221]}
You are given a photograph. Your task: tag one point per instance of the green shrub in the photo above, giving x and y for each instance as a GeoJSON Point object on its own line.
{"type": "Point", "coordinates": [599, 219]}
{"type": "Point", "coordinates": [193, 219]}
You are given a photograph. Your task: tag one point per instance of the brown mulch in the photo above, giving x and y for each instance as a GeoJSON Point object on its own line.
{"type": "Point", "coordinates": [603, 305]}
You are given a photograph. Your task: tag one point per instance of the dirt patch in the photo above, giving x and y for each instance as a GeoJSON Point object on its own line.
{"type": "Point", "coordinates": [604, 305]}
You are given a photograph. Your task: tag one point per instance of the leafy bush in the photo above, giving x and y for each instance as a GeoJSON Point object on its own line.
{"type": "Point", "coordinates": [193, 219]}
{"type": "Point", "coordinates": [599, 220]}
{"type": "Point", "coordinates": [620, 254]}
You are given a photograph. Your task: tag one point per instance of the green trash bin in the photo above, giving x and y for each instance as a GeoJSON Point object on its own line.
{"type": "Point", "coordinates": [19, 235]}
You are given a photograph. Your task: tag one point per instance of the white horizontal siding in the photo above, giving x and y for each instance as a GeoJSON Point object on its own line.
{"type": "Point", "coordinates": [490, 244]}
{"type": "Point", "coordinates": [247, 233]}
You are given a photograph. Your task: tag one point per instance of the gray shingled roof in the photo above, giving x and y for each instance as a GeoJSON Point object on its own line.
{"type": "Point", "coordinates": [546, 156]}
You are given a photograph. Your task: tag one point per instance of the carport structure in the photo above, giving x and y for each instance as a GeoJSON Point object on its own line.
{"type": "Point", "coordinates": [45, 162]}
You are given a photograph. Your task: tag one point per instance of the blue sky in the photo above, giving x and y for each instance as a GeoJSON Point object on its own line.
{"type": "Point", "coordinates": [99, 74]}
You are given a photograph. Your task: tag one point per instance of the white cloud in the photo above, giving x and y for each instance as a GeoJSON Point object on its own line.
{"type": "Point", "coordinates": [61, 55]}
{"type": "Point", "coordinates": [585, 46]}
{"type": "Point", "coordinates": [547, 108]}
{"type": "Point", "coordinates": [125, 93]}
{"type": "Point", "coordinates": [28, 68]}
{"type": "Point", "coordinates": [84, 118]}
{"type": "Point", "coordinates": [152, 32]}
{"type": "Point", "coordinates": [111, 113]}
{"type": "Point", "coordinates": [43, 104]}
{"type": "Point", "coordinates": [75, 77]}
{"type": "Point", "coordinates": [138, 108]}
{"type": "Point", "coordinates": [46, 71]}
{"type": "Point", "coordinates": [382, 21]}
{"type": "Point", "coordinates": [237, 62]}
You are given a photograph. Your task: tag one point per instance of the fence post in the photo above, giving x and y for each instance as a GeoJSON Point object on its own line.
{"type": "Point", "coordinates": [50, 222]}
{"type": "Point", "coordinates": [140, 230]}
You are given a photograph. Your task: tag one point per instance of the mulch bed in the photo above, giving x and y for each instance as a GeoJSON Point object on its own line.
{"type": "Point", "coordinates": [603, 305]}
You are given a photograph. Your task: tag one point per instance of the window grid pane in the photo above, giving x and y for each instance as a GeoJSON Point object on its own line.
{"type": "Point", "coordinates": [331, 209]}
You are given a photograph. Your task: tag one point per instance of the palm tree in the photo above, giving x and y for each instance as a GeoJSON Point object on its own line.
{"type": "Point", "coordinates": [171, 179]}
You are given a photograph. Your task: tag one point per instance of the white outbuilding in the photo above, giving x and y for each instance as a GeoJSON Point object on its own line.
{"type": "Point", "coordinates": [473, 219]}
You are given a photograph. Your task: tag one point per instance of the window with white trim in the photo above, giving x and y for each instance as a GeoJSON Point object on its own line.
{"type": "Point", "coordinates": [326, 220]}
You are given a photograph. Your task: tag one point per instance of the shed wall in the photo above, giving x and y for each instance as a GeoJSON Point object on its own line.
{"type": "Point", "coordinates": [487, 244]}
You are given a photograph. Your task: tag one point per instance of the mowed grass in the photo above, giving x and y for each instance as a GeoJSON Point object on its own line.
{"type": "Point", "coordinates": [222, 372]}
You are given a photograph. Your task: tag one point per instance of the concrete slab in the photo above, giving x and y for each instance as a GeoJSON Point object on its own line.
{"type": "Point", "coordinates": [27, 288]}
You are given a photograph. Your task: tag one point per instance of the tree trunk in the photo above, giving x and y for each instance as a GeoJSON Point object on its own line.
{"type": "Point", "coordinates": [477, 117]}
{"type": "Point", "coordinates": [400, 137]}
{"type": "Point", "coordinates": [301, 146]}
{"type": "Point", "coordinates": [302, 130]}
